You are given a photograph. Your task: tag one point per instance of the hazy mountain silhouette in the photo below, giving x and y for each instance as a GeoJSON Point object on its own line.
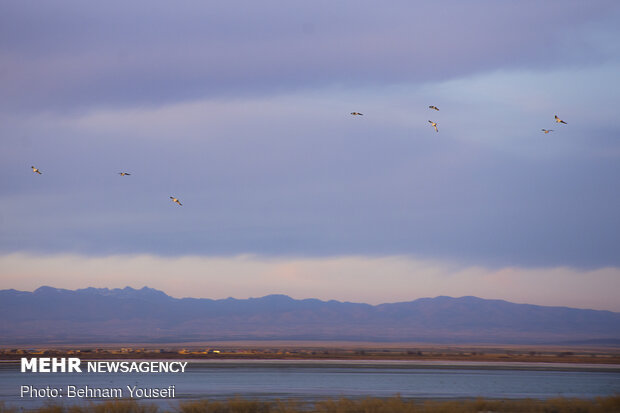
{"type": "Point", "coordinates": [51, 315]}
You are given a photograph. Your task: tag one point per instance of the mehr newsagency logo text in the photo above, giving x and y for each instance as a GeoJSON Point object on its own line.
{"type": "Point", "coordinates": [75, 365]}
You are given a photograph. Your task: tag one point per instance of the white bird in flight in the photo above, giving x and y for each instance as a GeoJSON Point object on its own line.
{"type": "Point", "coordinates": [547, 130]}
{"type": "Point", "coordinates": [123, 173]}
{"type": "Point", "coordinates": [176, 201]}
{"type": "Point", "coordinates": [35, 170]}
{"type": "Point", "coordinates": [357, 113]}
{"type": "Point", "coordinates": [434, 125]}
{"type": "Point", "coordinates": [558, 120]}
{"type": "Point", "coordinates": [433, 107]}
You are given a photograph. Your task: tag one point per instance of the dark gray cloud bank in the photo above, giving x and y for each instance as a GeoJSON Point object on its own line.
{"type": "Point", "coordinates": [283, 169]}
{"type": "Point", "coordinates": [70, 54]}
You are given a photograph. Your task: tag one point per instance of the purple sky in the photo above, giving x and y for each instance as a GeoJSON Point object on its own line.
{"type": "Point", "coordinates": [241, 110]}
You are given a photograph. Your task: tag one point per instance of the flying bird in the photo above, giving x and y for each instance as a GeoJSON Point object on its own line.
{"type": "Point", "coordinates": [35, 170]}
{"type": "Point", "coordinates": [176, 201]}
{"type": "Point", "coordinates": [558, 120]}
{"type": "Point", "coordinates": [434, 125]}
{"type": "Point", "coordinates": [357, 113]}
{"type": "Point", "coordinates": [123, 173]}
{"type": "Point", "coordinates": [433, 107]}
{"type": "Point", "coordinates": [547, 130]}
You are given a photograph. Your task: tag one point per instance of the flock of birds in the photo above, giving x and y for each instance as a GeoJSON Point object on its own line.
{"type": "Point", "coordinates": [433, 124]}
{"type": "Point", "coordinates": [175, 200]}
{"type": "Point", "coordinates": [558, 120]}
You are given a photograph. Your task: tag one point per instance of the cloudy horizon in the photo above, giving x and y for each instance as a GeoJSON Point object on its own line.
{"type": "Point", "coordinates": [345, 278]}
{"type": "Point", "coordinates": [242, 112]}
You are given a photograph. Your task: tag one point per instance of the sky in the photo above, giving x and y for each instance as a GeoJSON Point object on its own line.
{"type": "Point", "coordinates": [241, 110]}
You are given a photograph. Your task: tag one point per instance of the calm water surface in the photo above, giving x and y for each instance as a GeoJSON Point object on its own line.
{"type": "Point", "coordinates": [312, 380]}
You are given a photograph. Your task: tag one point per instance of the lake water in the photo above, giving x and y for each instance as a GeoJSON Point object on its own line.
{"type": "Point", "coordinates": [312, 380]}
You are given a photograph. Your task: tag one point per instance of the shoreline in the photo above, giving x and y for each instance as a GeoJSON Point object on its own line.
{"type": "Point", "coordinates": [393, 404]}
{"type": "Point", "coordinates": [374, 363]}
{"type": "Point", "coordinates": [323, 351]}
{"type": "Point", "coordinates": [584, 363]}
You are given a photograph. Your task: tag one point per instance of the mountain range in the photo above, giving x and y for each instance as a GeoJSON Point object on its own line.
{"type": "Point", "coordinates": [99, 315]}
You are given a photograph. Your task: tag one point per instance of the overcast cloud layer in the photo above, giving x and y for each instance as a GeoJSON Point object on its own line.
{"type": "Point", "coordinates": [241, 110]}
{"type": "Point", "coordinates": [71, 55]}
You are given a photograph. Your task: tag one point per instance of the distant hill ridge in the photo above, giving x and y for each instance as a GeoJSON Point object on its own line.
{"type": "Point", "coordinates": [52, 315]}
